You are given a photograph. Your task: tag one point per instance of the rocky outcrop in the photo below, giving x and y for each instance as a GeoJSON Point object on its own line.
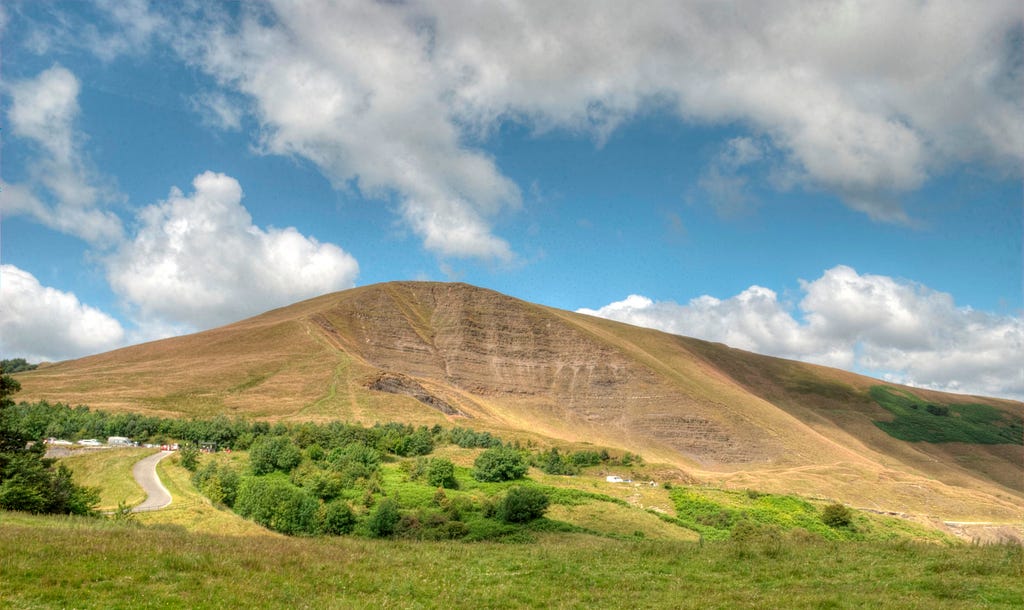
{"type": "Point", "coordinates": [396, 383]}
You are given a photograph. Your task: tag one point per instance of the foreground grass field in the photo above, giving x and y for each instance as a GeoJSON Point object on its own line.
{"type": "Point", "coordinates": [84, 563]}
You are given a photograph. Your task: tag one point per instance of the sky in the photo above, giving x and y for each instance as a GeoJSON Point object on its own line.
{"type": "Point", "coordinates": [835, 182]}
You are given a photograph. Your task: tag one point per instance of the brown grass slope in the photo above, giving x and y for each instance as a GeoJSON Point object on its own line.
{"type": "Point", "coordinates": [434, 353]}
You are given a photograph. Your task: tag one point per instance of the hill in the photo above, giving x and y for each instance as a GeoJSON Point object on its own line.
{"type": "Point", "coordinates": [429, 353]}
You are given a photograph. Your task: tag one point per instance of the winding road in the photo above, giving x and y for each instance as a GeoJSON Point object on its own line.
{"type": "Point", "coordinates": [144, 471]}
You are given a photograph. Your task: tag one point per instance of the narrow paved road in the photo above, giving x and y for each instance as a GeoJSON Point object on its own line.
{"type": "Point", "coordinates": [144, 472]}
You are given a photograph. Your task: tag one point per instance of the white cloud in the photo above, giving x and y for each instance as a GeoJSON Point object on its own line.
{"type": "Point", "coordinates": [42, 323]}
{"type": "Point", "coordinates": [43, 111]}
{"type": "Point", "coordinates": [198, 261]}
{"type": "Point", "coordinates": [903, 331]}
{"type": "Point", "coordinates": [863, 100]}
{"type": "Point", "coordinates": [217, 110]}
{"type": "Point", "coordinates": [353, 88]}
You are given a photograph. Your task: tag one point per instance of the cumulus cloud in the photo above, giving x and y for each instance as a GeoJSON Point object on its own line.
{"type": "Point", "coordinates": [862, 100]}
{"type": "Point", "coordinates": [352, 87]}
{"type": "Point", "coordinates": [42, 323]}
{"type": "Point", "coordinates": [42, 111]}
{"type": "Point", "coordinates": [903, 331]}
{"type": "Point", "coordinates": [198, 261]}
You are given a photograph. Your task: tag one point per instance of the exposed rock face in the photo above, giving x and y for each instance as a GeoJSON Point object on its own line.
{"type": "Point", "coordinates": [491, 345]}
{"type": "Point", "coordinates": [396, 383]}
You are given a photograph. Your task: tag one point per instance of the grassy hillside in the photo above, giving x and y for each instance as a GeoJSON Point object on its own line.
{"type": "Point", "coordinates": [428, 353]}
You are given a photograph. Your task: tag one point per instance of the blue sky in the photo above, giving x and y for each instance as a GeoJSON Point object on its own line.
{"type": "Point", "coordinates": [838, 183]}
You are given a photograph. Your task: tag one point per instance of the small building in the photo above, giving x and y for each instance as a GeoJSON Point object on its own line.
{"type": "Point", "coordinates": [119, 441]}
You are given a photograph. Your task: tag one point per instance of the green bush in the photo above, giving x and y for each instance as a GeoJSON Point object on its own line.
{"type": "Point", "coordinates": [441, 473]}
{"type": "Point", "coordinates": [335, 518]}
{"type": "Point", "coordinates": [837, 516]}
{"type": "Point", "coordinates": [275, 503]}
{"type": "Point", "coordinates": [270, 453]}
{"type": "Point", "coordinates": [499, 464]}
{"type": "Point", "coordinates": [582, 459]}
{"type": "Point", "coordinates": [384, 518]}
{"type": "Point", "coordinates": [190, 458]}
{"type": "Point", "coordinates": [217, 482]}
{"type": "Point", "coordinates": [522, 504]}
{"type": "Point", "coordinates": [552, 462]}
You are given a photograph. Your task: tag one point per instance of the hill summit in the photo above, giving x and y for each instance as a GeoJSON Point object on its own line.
{"type": "Point", "coordinates": [455, 354]}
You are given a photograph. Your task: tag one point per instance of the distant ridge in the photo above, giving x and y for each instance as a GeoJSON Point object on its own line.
{"type": "Point", "coordinates": [456, 354]}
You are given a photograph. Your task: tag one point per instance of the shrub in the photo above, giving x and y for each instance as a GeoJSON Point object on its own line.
{"type": "Point", "coordinates": [837, 516]}
{"type": "Point", "coordinates": [190, 458]}
{"type": "Point", "coordinates": [522, 504]}
{"type": "Point", "coordinates": [552, 462]}
{"type": "Point", "coordinates": [584, 458]}
{"type": "Point", "coordinates": [335, 518]}
{"type": "Point", "coordinates": [275, 503]}
{"type": "Point", "coordinates": [217, 482]}
{"type": "Point", "coordinates": [270, 453]}
{"type": "Point", "coordinates": [441, 473]}
{"type": "Point", "coordinates": [499, 464]}
{"type": "Point", "coordinates": [384, 518]}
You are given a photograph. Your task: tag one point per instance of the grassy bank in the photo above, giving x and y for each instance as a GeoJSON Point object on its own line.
{"type": "Point", "coordinates": [109, 471]}
{"type": "Point", "coordinates": [65, 562]}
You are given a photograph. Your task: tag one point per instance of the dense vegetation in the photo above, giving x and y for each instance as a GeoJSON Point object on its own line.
{"type": "Point", "coordinates": [720, 514]}
{"type": "Point", "coordinates": [309, 479]}
{"type": "Point", "coordinates": [11, 366]}
{"type": "Point", "coordinates": [28, 481]}
{"type": "Point", "coordinates": [918, 420]}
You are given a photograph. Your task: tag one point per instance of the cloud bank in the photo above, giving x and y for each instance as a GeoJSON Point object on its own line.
{"type": "Point", "coordinates": [902, 331]}
{"type": "Point", "coordinates": [862, 100]}
{"type": "Point", "coordinates": [45, 324]}
{"type": "Point", "coordinates": [198, 261]}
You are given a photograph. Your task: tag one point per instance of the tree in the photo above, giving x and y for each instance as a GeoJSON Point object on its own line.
{"type": "Point", "coordinates": [28, 480]}
{"type": "Point", "coordinates": [522, 504]}
{"type": "Point", "coordinates": [499, 464]}
{"type": "Point", "coordinates": [17, 365]}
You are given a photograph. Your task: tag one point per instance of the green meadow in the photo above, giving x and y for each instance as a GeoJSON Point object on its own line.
{"type": "Point", "coordinates": [64, 562]}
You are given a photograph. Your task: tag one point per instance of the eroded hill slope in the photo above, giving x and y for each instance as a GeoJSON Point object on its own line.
{"type": "Point", "coordinates": [432, 352]}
